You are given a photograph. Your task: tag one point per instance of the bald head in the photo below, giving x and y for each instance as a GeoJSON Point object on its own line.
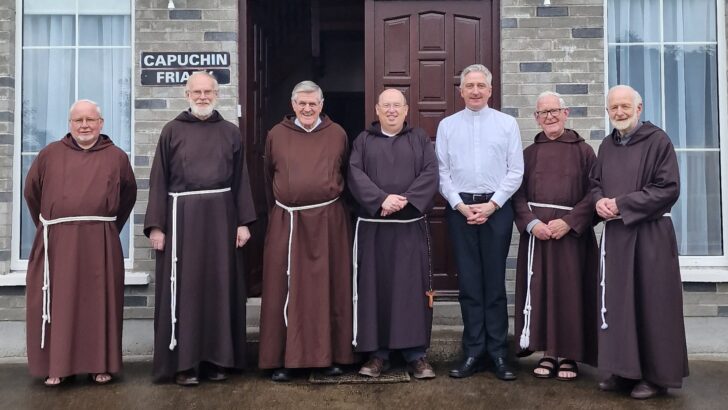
{"type": "Point", "coordinates": [391, 110]}
{"type": "Point", "coordinates": [624, 106]}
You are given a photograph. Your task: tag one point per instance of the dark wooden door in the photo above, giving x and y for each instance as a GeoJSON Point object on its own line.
{"type": "Point", "coordinates": [420, 48]}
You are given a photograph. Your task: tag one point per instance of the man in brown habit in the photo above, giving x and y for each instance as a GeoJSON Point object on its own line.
{"type": "Point", "coordinates": [556, 276]}
{"type": "Point", "coordinates": [635, 183]}
{"type": "Point", "coordinates": [306, 310]}
{"type": "Point", "coordinates": [80, 191]}
{"type": "Point", "coordinates": [199, 205]}
{"type": "Point", "coordinates": [393, 175]}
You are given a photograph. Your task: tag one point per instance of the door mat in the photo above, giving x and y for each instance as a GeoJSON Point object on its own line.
{"type": "Point", "coordinates": [393, 376]}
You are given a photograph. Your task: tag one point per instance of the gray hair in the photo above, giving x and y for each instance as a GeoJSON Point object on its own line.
{"type": "Point", "coordinates": [637, 97]}
{"type": "Point", "coordinates": [98, 109]}
{"type": "Point", "coordinates": [215, 84]}
{"type": "Point", "coordinates": [307, 86]}
{"type": "Point", "coordinates": [476, 68]}
{"type": "Point", "coordinates": [562, 103]}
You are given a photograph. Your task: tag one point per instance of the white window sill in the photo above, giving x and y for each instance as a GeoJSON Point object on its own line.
{"type": "Point", "coordinates": [130, 278]}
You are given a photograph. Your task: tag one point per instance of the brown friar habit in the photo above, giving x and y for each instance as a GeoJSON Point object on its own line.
{"type": "Point", "coordinates": [85, 257]}
{"type": "Point", "coordinates": [306, 168]}
{"type": "Point", "coordinates": [563, 319]}
{"type": "Point", "coordinates": [393, 258]}
{"type": "Point", "coordinates": [195, 155]}
{"type": "Point", "coordinates": [645, 334]}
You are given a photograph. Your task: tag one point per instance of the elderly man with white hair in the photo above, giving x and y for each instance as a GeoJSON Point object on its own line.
{"type": "Point", "coordinates": [80, 192]}
{"type": "Point", "coordinates": [635, 184]}
{"type": "Point", "coordinates": [556, 276]}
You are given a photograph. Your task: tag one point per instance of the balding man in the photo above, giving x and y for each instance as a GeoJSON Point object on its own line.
{"type": "Point", "coordinates": [635, 184]}
{"type": "Point", "coordinates": [556, 276]}
{"type": "Point", "coordinates": [393, 175]}
{"type": "Point", "coordinates": [80, 191]}
{"type": "Point", "coordinates": [199, 207]}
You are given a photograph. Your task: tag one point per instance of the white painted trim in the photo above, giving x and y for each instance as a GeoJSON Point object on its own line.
{"type": "Point", "coordinates": [130, 279]}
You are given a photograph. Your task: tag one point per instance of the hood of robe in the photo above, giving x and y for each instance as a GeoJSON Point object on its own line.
{"type": "Point", "coordinates": [289, 122]}
{"type": "Point", "coordinates": [186, 116]}
{"type": "Point", "coordinates": [568, 137]}
{"type": "Point", "coordinates": [643, 133]}
{"type": "Point", "coordinates": [102, 143]}
{"type": "Point", "coordinates": [376, 129]}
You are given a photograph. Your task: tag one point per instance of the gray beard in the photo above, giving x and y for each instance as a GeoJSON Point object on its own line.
{"type": "Point", "coordinates": [625, 125]}
{"type": "Point", "coordinates": [202, 112]}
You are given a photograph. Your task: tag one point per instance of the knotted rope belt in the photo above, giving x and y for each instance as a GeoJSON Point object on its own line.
{"type": "Point", "coordinates": [46, 315]}
{"type": "Point", "coordinates": [173, 270]}
{"type": "Point", "coordinates": [603, 267]}
{"type": "Point", "coordinates": [291, 210]}
{"type": "Point", "coordinates": [355, 263]}
{"type": "Point", "coordinates": [526, 332]}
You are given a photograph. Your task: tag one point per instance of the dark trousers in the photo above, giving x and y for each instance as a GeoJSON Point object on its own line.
{"type": "Point", "coordinates": [480, 253]}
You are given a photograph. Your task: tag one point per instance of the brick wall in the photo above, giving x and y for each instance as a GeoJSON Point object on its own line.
{"type": "Point", "coordinates": [7, 124]}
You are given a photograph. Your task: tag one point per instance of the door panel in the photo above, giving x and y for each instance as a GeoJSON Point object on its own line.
{"type": "Point", "coordinates": [420, 48]}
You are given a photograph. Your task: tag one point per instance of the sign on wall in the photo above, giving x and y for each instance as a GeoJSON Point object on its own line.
{"type": "Point", "coordinates": [174, 68]}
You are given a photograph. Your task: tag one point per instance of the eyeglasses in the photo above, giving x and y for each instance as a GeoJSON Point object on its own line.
{"type": "Point", "coordinates": [199, 93]}
{"type": "Point", "coordinates": [396, 106]}
{"type": "Point", "coordinates": [303, 104]}
{"type": "Point", "coordinates": [90, 121]}
{"type": "Point", "coordinates": [545, 113]}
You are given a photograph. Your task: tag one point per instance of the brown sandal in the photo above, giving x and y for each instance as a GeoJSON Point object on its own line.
{"type": "Point", "coordinates": [551, 369]}
{"type": "Point", "coordinates": [567, 365]}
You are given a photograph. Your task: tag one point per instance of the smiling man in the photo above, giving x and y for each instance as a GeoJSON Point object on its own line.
{"type": "Point", "coordinates": [556, 276]}
{"type": "Point", "coordinates": [80, 191]}
{"type": "Point", "coordinates": [636, 182]}
{"type": "Point", "coordinates": [199, 207]}
{"type": "Point", "coordinates": [305, 318]}
{"type": "Point", "coordinates": [393, 175]}
{"type": "Point", "coordinates": [481, 166]}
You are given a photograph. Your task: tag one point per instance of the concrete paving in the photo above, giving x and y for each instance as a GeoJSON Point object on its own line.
{"type": "Point", "coordinates": [705, 389]}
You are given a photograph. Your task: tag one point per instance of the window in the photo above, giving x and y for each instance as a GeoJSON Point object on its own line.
{"type": "Point", "coordinates": [670, 51]}
{"type": "Point", "coordinates": [71, 49]}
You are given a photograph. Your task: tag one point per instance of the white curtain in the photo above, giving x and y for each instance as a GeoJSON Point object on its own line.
{"type": "Point", "coordinates": [52, 80]}
{"type": "Point", "coordinates": [690, 89]}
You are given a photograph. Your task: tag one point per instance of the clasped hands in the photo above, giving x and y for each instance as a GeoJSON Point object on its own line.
{"type": "Point", "coordinates": [555, 229]}
{"type": "Point", "coordinates": [477, 214]}
{"type": "Point", "coordinates": [156, 237]}
{"type": "Point", "coordinates": [393, 203]}
{"type": "Point", "coordinates": [607, 208]}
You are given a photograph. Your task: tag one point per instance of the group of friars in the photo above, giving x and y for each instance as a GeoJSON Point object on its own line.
{"type": "Point", "coordinates": [327, 304]}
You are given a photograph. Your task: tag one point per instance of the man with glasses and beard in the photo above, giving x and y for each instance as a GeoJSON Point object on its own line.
{"type": "Point", "coordinates": [635, 183]}
{"type": "Point", "coordinates": [199, 205]}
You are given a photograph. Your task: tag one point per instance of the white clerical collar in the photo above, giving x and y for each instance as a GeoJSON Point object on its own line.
{"type": "Point", "coordinates": [478, 112]}
{"type": "Point", "coordinates": [318, 122]}
{"type": "Point", "coordinates": [390, 135]}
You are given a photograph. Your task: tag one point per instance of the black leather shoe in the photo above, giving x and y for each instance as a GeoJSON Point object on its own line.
{"type": "Point", "coordinates": [281, 375]}
{"type": "Point", "coordinates": [332, 371]}
{"type": "Point", "coordinates": [467, 368]}
{"type": "Point", "coordinates": [503, 370]}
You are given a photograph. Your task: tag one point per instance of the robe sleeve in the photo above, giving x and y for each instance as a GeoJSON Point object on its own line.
{"type": "Point", "coordinates": [269, 172]}
{"type": "Point", "coordinates": [423, 189]}
{"type": "Point", "coordinates": [660, 193]}
{"type": "Point", "coordinates": [156, 216]}
{"type": "Point", "coordinates": [34, 187]}
{"type": "Point", "coordinates": [595, 177]}
{"type": "Point", "coordinates": [363, 189]}
{"type": "Point", "coordinates": [581, 217]}
{"type": "Point", "coordinates": [523, 215]}
{"type": "Point", "coordinates": [127, 192]}
{"type": "Point", "coordinates": [241, 186]}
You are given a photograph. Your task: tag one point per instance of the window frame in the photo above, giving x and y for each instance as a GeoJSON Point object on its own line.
{"type": "Point", "coordinates": [695, 268]}
{"type": "Point", "coordinates": [18, 265]}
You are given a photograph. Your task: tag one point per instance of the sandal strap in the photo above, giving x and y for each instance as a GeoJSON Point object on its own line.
{"type": "Point", "coordinates": [551, 360]}
{"type": "Point", "coordinates": [572, 366]}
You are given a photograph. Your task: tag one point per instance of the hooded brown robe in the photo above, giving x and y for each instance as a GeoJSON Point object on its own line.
{"type": "Point", "coordinates": [393, 258]}
{"type": "Point", "coordinates": [86, 258]}
{"type": "Point", "coordinates": [193, 155]}
{"type": "Point", "coordinates": [645, 334]}
{"type": "Point", "coordinates": [563, 288]}
{"type": "Point", "coordinates": [305, 169]}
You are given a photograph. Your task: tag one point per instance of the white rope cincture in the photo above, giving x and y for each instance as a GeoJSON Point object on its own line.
{"type": "Point", "coordinates": [291, 210]}
{"type": "Point", "coordinates": [355, 264]}
{"type": "Point", "coordinates": [46, 315]}
{"type": "Point", "coordinates": [173, 269]}
{"type": "Point", "coordinates": [603, 267]}
{"type": "Point", "coordinates": [526, 332]}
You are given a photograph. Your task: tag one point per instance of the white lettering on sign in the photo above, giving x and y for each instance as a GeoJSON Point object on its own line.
{"type": "Point", "coordinates": [174, 77]}
{"type": "Point", "coordinates": [186, 60]}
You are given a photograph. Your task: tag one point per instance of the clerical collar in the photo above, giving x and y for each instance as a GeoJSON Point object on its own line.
{"type": "Point", "coordinates": [628, 136]}
{"type": "Point", "coordinates": [390, 135]}
{"type": "Point", "coordinates": [477, 113]}
{"type": "Point", "coordinates": [318, 122]}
